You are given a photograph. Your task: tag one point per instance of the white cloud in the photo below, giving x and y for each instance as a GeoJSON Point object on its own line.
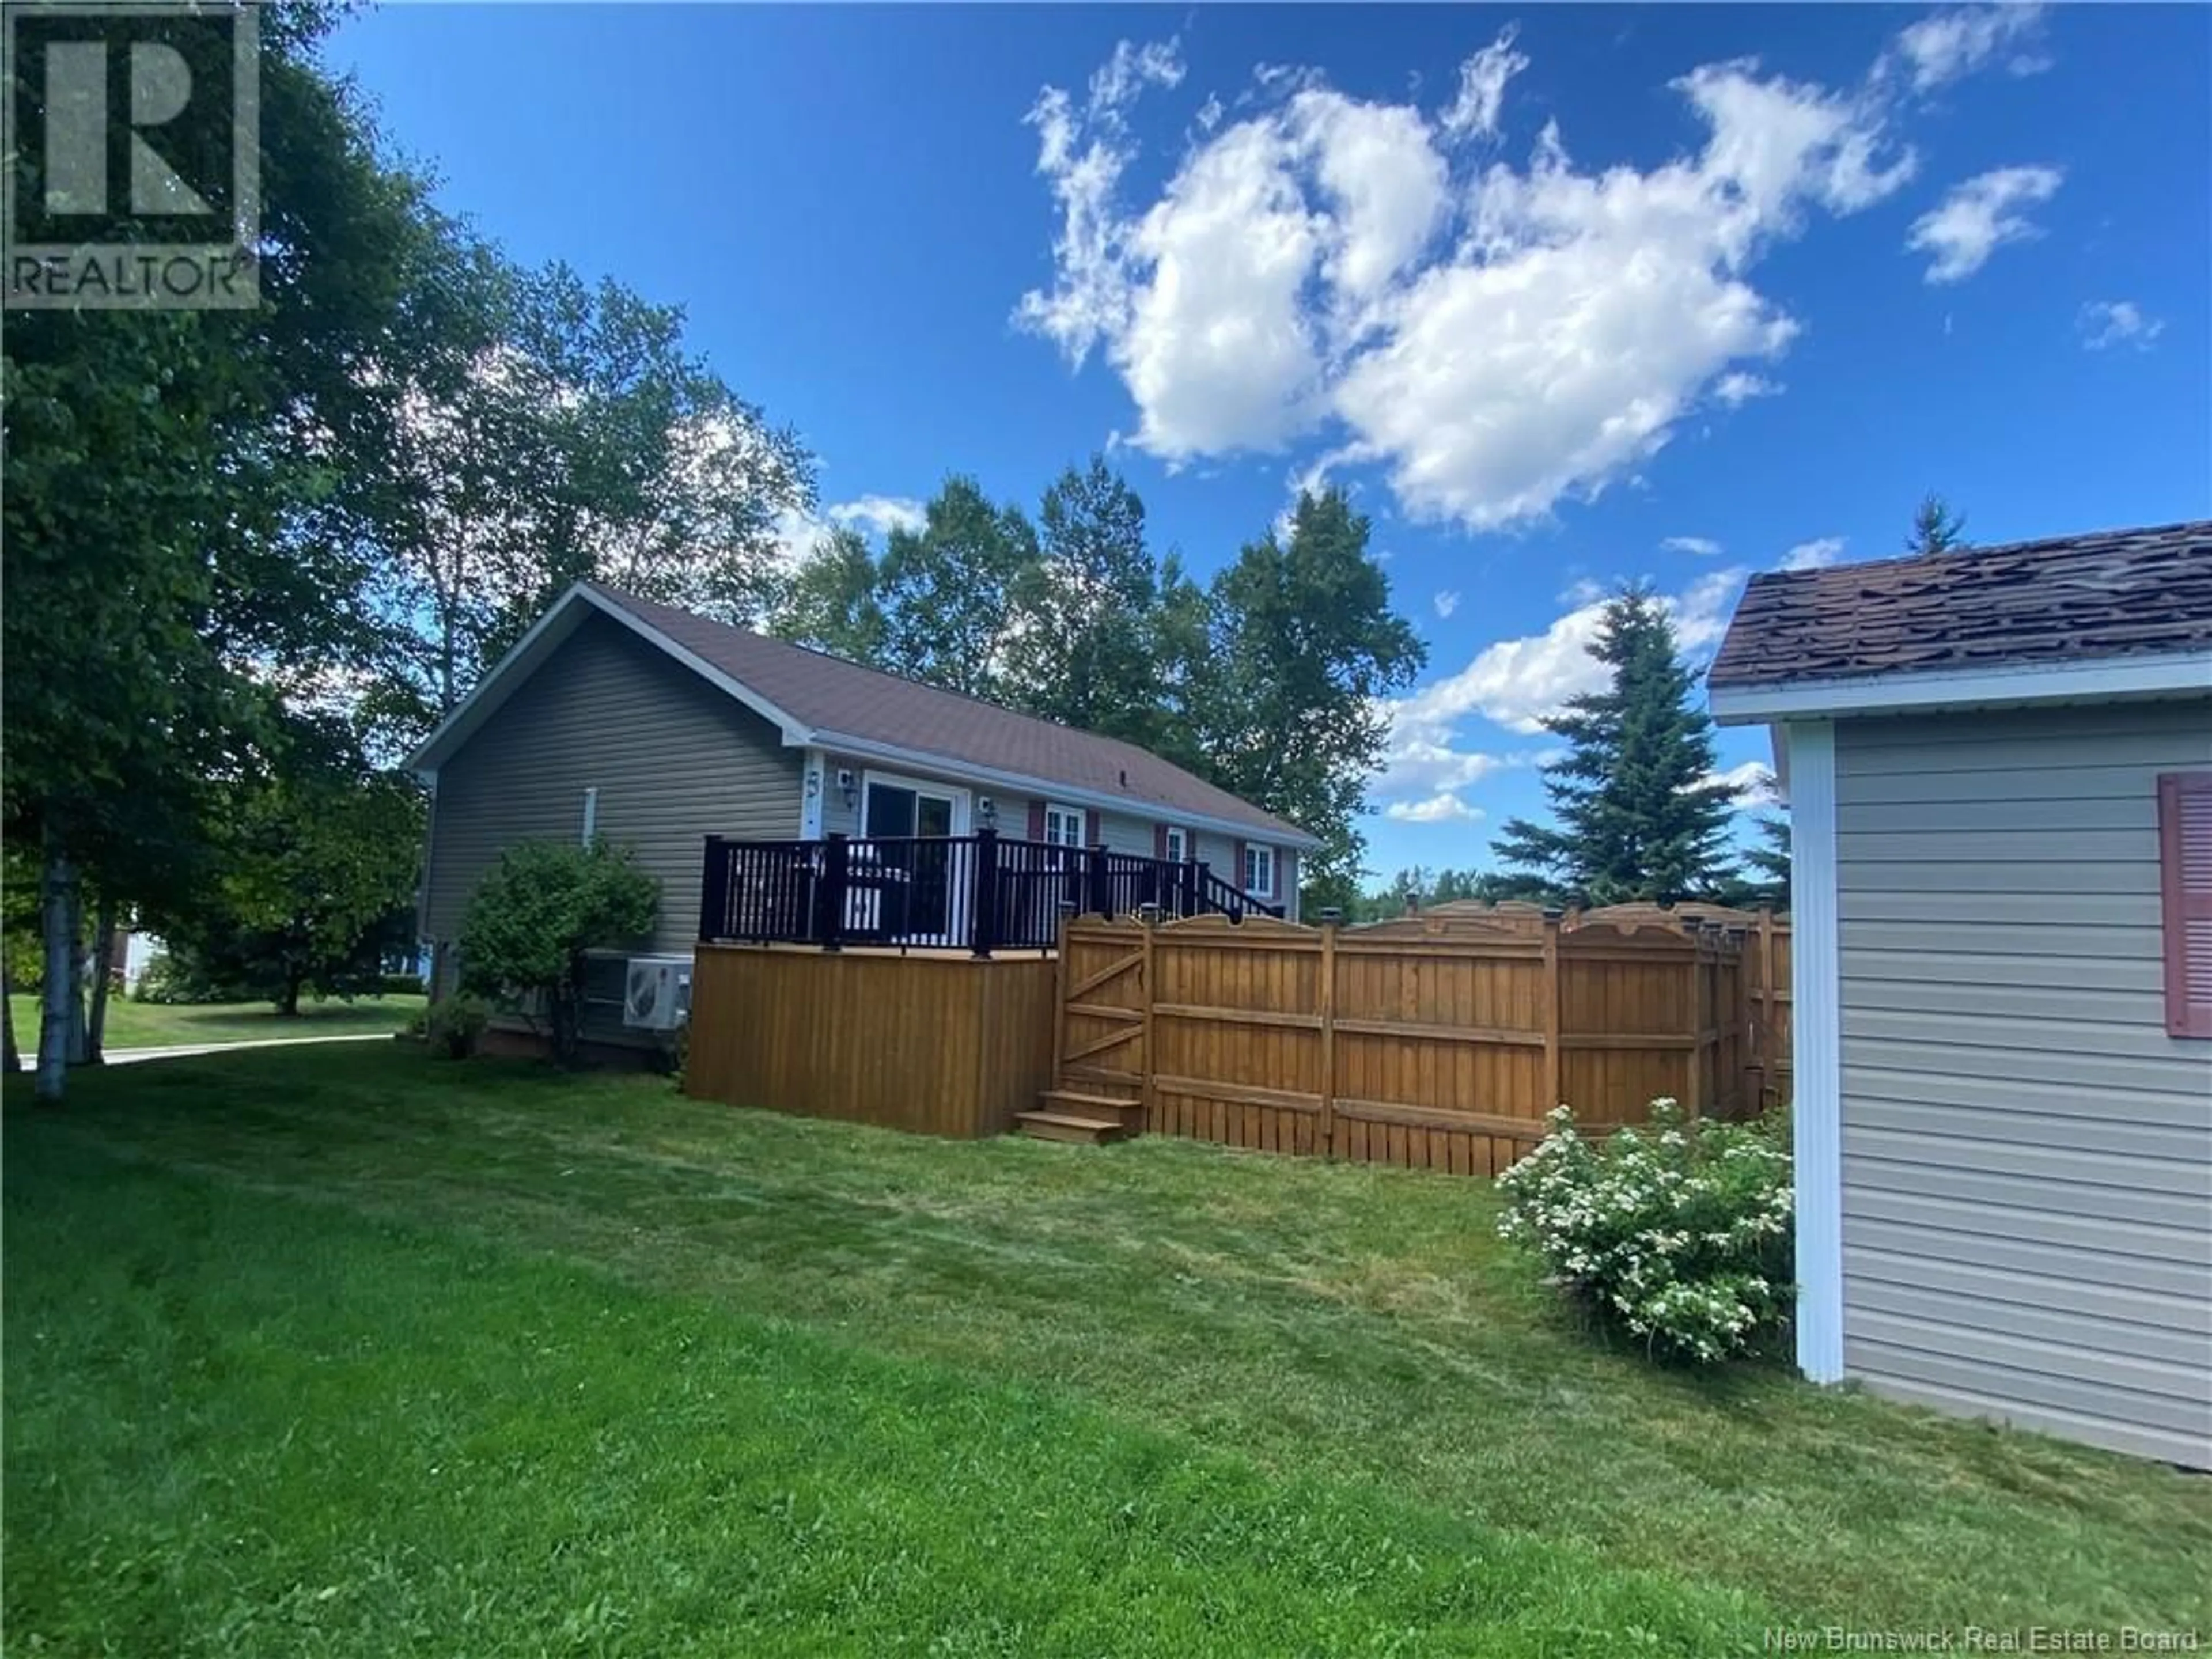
{"type": "Point", "coordinates": [2107, 323]}
{"type": "Point", "coordinates": [1737, 388]}
{"type": "Point", "coordinates": [1946, 45]}
{"type": "Point", "coordinates": [1442, 807]}
{"type": "Point", "coordinates": [1496, 336]}
{"type": "Point", "coordinates": [1218, 351]}
{"type": "Point", "coordinates": [797, 535]}
{"type": "Point", "coordinates": [1581, 591]}
{"type": "Point", "coordinates": [879, 515]}
{"type": "Point", "coordinates": [1209, 113]}
{"type": "Point", "coordinates": [1082, 153]}
{"type": "Point", "coordinates": [1417, 764]}
{"type": "Point", "coordinates": [1704, 546]}
{"type": "Point", "coordinates": [1517, 682]}
{"type": "Point", "coordinates": [1751, 784]}
{"type": "Point", "coordinates": [1814, 554]}
{"type": "Point", "coordinates": [1116, 82]}
{"type": "Point", "coordinates": [1474, 114]}
{"type": "Point", "coordinates": [1446, 603]}
{"type": "Point", "coordinates": [1384, 186]}
{"type": "Point", "coordinates": [1979, 217]}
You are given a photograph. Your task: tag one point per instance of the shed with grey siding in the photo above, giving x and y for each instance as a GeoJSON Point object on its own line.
{"type": "Point", "coordinates": [2026, 1154]}
{"type": "Point", "coordinates": [2003, 1114]}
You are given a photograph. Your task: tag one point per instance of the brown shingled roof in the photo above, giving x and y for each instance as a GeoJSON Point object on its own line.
{"type": "Point", "coordinates": [2119, 592]}
{"type": "Point", "coordinates": [843, 699]}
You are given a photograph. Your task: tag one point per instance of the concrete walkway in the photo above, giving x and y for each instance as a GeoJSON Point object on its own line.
{"type": "Point", "coordinates": [185, 1050]}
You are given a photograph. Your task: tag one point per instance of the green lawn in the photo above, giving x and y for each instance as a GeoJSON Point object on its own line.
{"type": "Point", "coordinates": [408, 1357]}
{"type": "Point", "coordinates": [152, 1025]}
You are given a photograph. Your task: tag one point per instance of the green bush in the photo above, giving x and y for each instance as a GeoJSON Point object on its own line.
{"type": "Point", "coordinates": [1681, 1231]}
{"type": "Point", "coordinates": [177, 978]}
{"type": "Point", "coordinates": [454, 1025]}
{"type": "Point", "coordinates": [533, 917]}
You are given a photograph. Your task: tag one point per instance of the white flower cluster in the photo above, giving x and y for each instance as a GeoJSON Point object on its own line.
{"type": "Point", "coordinates": [1683, 1233]}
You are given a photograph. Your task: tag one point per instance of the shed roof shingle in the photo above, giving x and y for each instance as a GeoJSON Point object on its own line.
{"type": "Point", "coordinates": [2119, 593]}
{"type": "Point", "coordinates": [832, 696]}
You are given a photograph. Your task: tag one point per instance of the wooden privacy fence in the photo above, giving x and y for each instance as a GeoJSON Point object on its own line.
{"type": "Point", "coordinates": [1437, 1041]}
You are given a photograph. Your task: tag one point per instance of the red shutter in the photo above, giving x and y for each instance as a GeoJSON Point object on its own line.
{"type": "Point", "coordinates": [1159, 841]}
{"type": "Point", "coordinates": [2184, 858]}
{"type": "Point", "coordinates": [1037, 820]}
{"type": "Point", "coordinates": [1091, 827]}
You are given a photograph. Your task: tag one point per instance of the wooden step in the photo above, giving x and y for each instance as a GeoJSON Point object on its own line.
{"type": "Point", "coordinates": [1066, 1126]}
{"type": "Point", "coordinates": [1077, 1103]}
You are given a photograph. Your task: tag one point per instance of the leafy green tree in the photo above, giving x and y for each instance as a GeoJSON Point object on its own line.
{"type": "Point", "coordinates": [1301, 647]}
{"type": "Point", "coordinates": [547, 432]}
{"type": "Point", "coordinates": [1087, 651]}
{"type": "Point", "coordinates": [316, 885]}
{"type": "Point", "coordinates": [533, 918]}
{"type": "Point", "coordinates": [954, 593]}
{"type": "Point", "coordinates": [1936, 527]}
{"type": "Point", "coordinates": [173, 559]}
{"type": "Point", "coordinates": [1636, 818]}
{"type": "Point", "coordinates": [834, 602]}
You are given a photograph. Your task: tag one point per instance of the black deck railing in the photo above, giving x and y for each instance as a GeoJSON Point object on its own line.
{"type": "Point", "coordinates": [980, 893]}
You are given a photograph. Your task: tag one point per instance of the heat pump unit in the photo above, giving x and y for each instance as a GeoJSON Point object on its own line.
{"type": "Point", "coordinates": [657, 992]}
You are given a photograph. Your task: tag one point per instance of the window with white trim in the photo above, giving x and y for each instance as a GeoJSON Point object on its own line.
{"type": "Point", "coordinates": [1259, 871]}
{"type": "Point", "coordinates": [1178, 842]}
{"type": "Point", "coordinates": [1063, 825]}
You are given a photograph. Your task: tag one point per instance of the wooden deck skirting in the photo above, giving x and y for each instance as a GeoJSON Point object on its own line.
{"type": "Point", "coordinates": [939, 1043]}
{"type": "Point", "coordinates": [1439, 1041]}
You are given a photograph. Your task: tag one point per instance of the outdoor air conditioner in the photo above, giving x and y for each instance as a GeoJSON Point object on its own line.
{"type": "Point", "coordinates": [657, 992]}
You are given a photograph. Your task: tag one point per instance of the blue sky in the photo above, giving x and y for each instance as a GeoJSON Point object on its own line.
{"type": "Point", "coordinates": [1565, 295]}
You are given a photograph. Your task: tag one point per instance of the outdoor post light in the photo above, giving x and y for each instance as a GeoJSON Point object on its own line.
{"type": "Point", "coordinates": [987, 813]}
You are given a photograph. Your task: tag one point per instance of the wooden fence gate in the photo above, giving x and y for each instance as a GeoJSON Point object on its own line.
{"type": "Point", "coordinates": [1436, 1042]}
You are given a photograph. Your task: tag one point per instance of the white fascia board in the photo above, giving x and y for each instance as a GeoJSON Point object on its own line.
{"type": "Point", "coordinates": [1816, 1112]}
{"type": "Point", "coordinates": [1046, 788]}
{"type": "Point", "coordinates": [2173, 673]}
{"type": "Point", "coordinates": [546, 635]}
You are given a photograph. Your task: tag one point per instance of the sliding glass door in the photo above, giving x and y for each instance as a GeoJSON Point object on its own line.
{"type": "Point", "coordinates": [923, 902]}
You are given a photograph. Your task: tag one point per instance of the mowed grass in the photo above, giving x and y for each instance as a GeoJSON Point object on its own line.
{"type": "Point", "coordinates": [156, 1026]}
{"type": "Point", "coordinates": [484, 1358]}
{"type": "Point", "coordinates": [239, 1425]}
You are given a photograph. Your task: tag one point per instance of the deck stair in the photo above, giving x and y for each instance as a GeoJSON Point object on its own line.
{"type": "Point", "coordinates": [1079, 1116]}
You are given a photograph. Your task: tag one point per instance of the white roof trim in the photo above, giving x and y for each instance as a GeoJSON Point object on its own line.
{"type": "Point", "coordinates": [1047, 789]}
{"type": "Point", "coordinates": [547, 632]}
{"type": "Point", "coordinates": [2168, 673]}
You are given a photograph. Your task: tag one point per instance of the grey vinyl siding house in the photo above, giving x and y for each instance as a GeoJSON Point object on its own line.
{"type": "Point", "coordinates": [661, 753]}
{"type": "Point", "coordinates": [656, 728]}
{"type": "Point", "coordinates": [2004, 1129]}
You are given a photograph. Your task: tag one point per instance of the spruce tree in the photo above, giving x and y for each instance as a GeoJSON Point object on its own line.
{"type": "Point", "coordinates": [1636, 819]}
{"type": "Point", "coordinates": [1764, 877]}
{"type": "Point", "coordinates": [1936, 527]}
{"type": "Point", "coordinates": [1770, 860]}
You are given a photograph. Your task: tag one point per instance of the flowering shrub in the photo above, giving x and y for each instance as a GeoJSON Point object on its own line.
{"type": "Point", "coordinates": [1681, 1229]}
